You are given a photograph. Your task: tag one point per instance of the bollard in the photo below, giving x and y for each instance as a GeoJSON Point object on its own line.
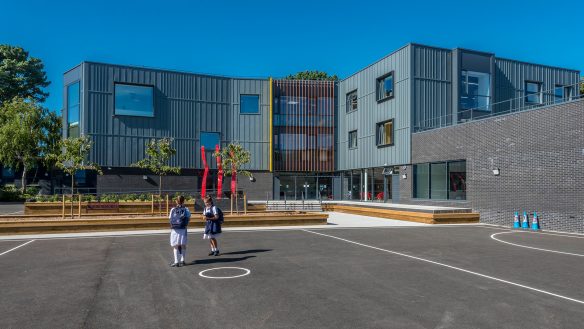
{"type": "Point", "coordinates": [525, 222]}
{"type": "Point", "coordinates": [516, 223]}
{"type": "Point", "coordinates": [535, 222]}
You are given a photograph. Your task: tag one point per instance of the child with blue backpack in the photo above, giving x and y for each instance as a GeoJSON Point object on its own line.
{"type": "Point", "coordinates": [179, 220]}
{"type": "Point", "coordinates": [214, 218]}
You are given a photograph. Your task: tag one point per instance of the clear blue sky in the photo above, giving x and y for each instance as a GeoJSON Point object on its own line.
{"type": "Point", "coordinates": [275, 38]}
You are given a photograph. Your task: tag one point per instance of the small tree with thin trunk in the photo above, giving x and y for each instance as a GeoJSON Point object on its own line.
{"type": "Point", "coordinates": [72, 157]}
{"type": "Point", "coordinates": [158, 152]}
{"type": "Point", "coordinates": [233, 157]}
{"type": "Point", "coordinates": [26, 134]}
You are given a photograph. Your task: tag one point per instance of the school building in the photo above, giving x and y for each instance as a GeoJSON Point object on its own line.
{"type": "Point", "coordinates": [423, 125]}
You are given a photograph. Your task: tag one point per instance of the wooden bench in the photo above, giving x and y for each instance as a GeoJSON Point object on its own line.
{"type": "Point", "coordinates": [96, 205]}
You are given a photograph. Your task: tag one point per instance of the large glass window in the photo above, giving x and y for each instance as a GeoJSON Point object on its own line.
{"type": "Point", "coordinates": [533, 92]}
{"type": "Point", "coordinates": [440, 181]}
{"type": "Point", "coordinates": [210, 139]}
{"type": "Point", "coordinates": [73, 109]}
{"type": "Point", "coordinates": [134, 100]}
{"type": "Point", "coordinates": [250, 104]}
{"type": "Point", "coordinates": [353, 139]}
{"type": "Point", "coordinates": [352, 101]}
{"type": "Point", "coordinates": [457, 180]}
{"type": "Point", "coordinates": [384, 133]}
{"type": "Point", "coordinates": [562, 93]}
{"type": "Point", "coordinates": [421, 181]}
{"type": "Point", "coordinates": [385, 87]}
{"type": "Point", "coordinates": [475, 91]}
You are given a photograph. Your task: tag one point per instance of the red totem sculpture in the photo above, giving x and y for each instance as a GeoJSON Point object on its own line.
{"type": "Point", "coordinates": [220, 174]}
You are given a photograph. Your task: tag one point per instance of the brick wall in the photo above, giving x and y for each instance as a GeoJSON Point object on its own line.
{"type": "Point", "coordinates": [540, 154]}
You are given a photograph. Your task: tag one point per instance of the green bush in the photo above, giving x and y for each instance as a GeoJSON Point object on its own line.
{"type": "Point", "coordinates": [10, 193]}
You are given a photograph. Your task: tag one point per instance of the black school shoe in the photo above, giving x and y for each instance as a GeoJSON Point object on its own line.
{"type": "Point", "coordinates": [174, 264]}
{"type": "Point", "coordinates": [182, 264]}
{"type": "Point", "coordinates": [211, 253]}
{"type": "Point", "coordinates": [216, 253]}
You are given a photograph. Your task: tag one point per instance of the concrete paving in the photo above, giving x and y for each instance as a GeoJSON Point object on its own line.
{"type": "Point", "coordinates": [327, 277]}
{"type": "Point", "coordinates": [11, 208]}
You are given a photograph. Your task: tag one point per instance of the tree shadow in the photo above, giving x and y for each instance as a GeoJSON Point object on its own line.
{"type": "Point", "coordinates": [243, 252]}
{"type": "Point", "coordinates": [218, 260]}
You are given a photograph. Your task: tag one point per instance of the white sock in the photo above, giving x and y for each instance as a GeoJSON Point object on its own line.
{"type": "Point", "coordinates": [175, 255]}
{"type": "Point", "coordinates": [182, 255]}
{"type": "Point", "coordinates": [212, 248]}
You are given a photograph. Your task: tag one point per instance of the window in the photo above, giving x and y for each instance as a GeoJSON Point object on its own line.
{"type": "Point", "coordinates": [475, 91]}
{"type": "Point", "coordinates": [353, 139]}
{"type": "Point", "coordinates": [210, 139]}
{"type": "Point", "coordinates": [385, 87]}
{"type": "Point", "coordinates": [73, 109]}
{"type": "Point", "coordinates": [352, 101]}
{"type": "Point", "coordinates": [134, 100]}
{"type": "Point", "coordinates": [250, 104]}
{"type": "Point", "coordinates": [533, 92]}
{"type": "Point", "coordinates": [384, 133]}
{"type": "Point", "coordinates": [440, 181]}
{"type": "Point", "coordinates": [562, 93]}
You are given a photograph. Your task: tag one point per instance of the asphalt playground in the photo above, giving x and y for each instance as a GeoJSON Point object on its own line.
{"type": "Point", "coordinates": [394, 276]}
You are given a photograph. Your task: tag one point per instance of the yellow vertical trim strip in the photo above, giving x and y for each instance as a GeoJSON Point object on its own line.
{"type": "Point", "coordinates": [271, 124]}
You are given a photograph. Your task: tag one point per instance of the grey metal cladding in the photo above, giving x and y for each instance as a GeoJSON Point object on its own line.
{"type": "Point", "coordinates": [185, 105]}
{"type": "Point", "coordinates": [510, 77]}
{"type": "Point", "coordinates": [432, 86]}
{"type": "Point", "coordinates": [370, 112]}
{"type": "Point", "coordinates": [252, 131]}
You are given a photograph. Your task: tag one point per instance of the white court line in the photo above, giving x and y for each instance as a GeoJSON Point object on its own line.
{"type": "Point", "coordinates": [452, 267]}
{"type": "Point", "coordinates": [541, 249]}
{"type": "Point", "coordinates": [22, 245]}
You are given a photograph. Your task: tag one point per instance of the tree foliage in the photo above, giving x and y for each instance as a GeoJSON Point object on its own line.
{"type": "Point", "coordinates": [312, 75]}
{"type": "Point", "coordinates": [158, 152]}
{"type": "Point", "coordinates": [27, 133]}
{"type": "Point", "coordinates": [582, 86]}
{"type": "Point", "coordinates": [72, 157]}
{"type": "Point", "coordinates": [233, 157]}
{"type": "Point", "coordinates": [21, 75]}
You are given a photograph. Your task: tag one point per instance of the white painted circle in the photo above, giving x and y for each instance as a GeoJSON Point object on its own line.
{"type": "Point", "coordinates": [224, 277]}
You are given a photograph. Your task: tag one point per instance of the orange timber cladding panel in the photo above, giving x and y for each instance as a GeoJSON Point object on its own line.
{"type": "Point", "coordinates": [304, 125]}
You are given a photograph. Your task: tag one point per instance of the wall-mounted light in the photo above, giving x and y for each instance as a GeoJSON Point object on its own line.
{"type": "Point", "coordinates": [496, 172]}
{"type": "Point", "coordinates": [109, 168]}
{"type": "Point", "coordinates": [252, 179]}
{"type": "Point", "coordinates": [404, 176]}
{"type": "Point", "coordinates": [144, 177]}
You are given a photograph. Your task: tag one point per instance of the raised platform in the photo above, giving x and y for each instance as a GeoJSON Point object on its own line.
{"type": "Point", "coordinates": [23, 225]}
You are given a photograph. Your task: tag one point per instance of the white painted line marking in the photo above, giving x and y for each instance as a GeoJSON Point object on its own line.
{"type": "Point", "coordinates": [224, 277]}
{"type": "Point", "coordinates": [541, 249]}
{"type": "Point", "coordinates": [22, 245]}
{"type": "Point", "coordinates": [451, 267]}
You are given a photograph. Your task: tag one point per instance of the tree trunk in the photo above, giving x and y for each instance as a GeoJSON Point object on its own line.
{"type": "Point", "coordinates": [23, 179]}
{"type": "Point", "coordinates": [160, 185]}
{"type": "Point", "coordinates": [72, 185]}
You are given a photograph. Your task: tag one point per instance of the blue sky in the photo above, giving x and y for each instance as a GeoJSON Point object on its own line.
{"type": "Point", "coordinates": [276, 38]}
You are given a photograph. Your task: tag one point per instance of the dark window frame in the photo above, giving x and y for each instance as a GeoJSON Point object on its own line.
{"type": "Point", "coordinates": [137, 85]}
{"type": "Point", "coordinates": [259, 112]}
{"type": "Point", "coordinates": [356, 140]}
{"type": "Point", "coordinates": [415, 192]}
{"type": "Point", "coordinates": [381, 80]}
{"type": "Point", "coordinates": [528, 93]}
{"type": "Point", "coordinates": [392, 133]}
{"type": "Point", "coordinates": [349, 105]}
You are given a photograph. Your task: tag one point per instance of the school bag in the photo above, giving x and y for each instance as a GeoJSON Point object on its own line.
{"type": "Point", "coordinates": [220, 215]}
{"type": "Point", "coordinates": [179, 218]}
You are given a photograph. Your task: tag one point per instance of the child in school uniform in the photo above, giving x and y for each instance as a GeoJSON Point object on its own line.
{"type": "Point", "coordinates": [213, 216]}
{"type": "Point", "coordinates": [179, 220]}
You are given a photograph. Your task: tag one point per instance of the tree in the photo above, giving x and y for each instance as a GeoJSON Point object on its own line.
{"type": "Point", "coordinates": [233, 157]}
{"type": "Point", "coordinates": [312, 75]}
{"type": "Point", "coordinates": [72, 157]}
{"type": "Point", "coordinates": [158, 153]}
{"type": "Point", "coordinates": [27, 133]}
{"type": "Point", "coordinates": [21, 75]}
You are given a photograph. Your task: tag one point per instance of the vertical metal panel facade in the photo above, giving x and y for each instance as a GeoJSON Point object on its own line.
{"type": "Point", "coordinates": [432, 87]}
{"type": "Point", "coordinates": [184, 106]}
{"type": "Point", "coordinates": [510, 77]}
{"type": "Point", "coordinates": [370, 112]}
{"type": "Point", "coordinates": [304, 121]}
{"type": "Point", "coordinates": [252, 131]}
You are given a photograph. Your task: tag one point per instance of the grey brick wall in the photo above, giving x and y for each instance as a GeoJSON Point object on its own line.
{"type": "Point", "coordinates": [540, 154]}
